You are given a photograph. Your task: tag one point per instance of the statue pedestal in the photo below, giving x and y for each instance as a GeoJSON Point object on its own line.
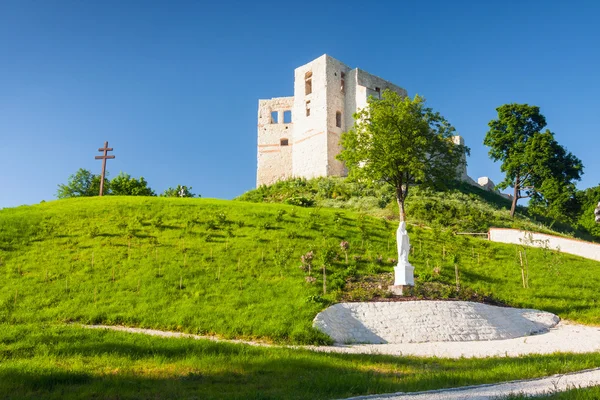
{"type": "Point", "coordinates": [403, 276]}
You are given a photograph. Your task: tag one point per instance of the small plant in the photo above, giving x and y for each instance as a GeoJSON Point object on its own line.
{"type": "Point", "coordinates": [240, 223]}
{"type": "Point", "coordinates": [158, 222]}
{"type": "Point", "coordinates": [281, 258]}
{"type": "Point", "coordinates": [229, 232]}
{"type": "Point", "coordinates": [94, 231]}
{"type": "Point", "coordinates": [345, 246]}
{"type": "Point", "coordinates": [279, 216]}
{"type": "Point", "coordinates": [264, 225]}
{"type": "Point", "coordinates": [307, 260]}
{"type": "Point", "coordinates": [221, 218]}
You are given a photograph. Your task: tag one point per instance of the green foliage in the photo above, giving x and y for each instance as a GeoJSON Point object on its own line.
{"type": "Point", "coordinates": [586, 202]}
{"type": "Point", "coordinates": [125, 185]}
{"type": "Point", "coordinates": [535, 164]}
{"type": "Point", "coordinates": [179, 191]}
{"type": "Point", "coordinates": [82, 183]}
{"type": "Point", "coordinates": [400, 141]}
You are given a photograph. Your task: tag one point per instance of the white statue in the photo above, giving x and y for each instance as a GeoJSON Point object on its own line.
{"type": "Point", "coordinates": [403, 272]}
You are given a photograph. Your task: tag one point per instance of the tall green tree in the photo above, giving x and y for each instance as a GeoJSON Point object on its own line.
{"type": "Point", "coordinates": [400, 141]}
{"type": "Point", "coordinates": [536, 166]}
{"type": "Point", "coordinates": [179, 191]}
{"type": "Point", "coordinates": [81, 183]}
{"type": "Point", "coordinates": [125, 185]}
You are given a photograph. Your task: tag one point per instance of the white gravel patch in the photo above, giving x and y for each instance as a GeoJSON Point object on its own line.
{"type": "Point", "coordinates": [533, 387]}
{"type": "Point", "coordinates": [429, 321]}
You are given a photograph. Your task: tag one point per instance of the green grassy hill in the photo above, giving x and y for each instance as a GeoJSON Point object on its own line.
{"type": "Point", "coordinates": [231, 268]}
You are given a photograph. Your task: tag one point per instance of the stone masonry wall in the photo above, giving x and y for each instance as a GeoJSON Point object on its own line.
{"type": "Point", "coordinates": [310, 139]}
{"type": "Point", "coordinates": [274, 159]}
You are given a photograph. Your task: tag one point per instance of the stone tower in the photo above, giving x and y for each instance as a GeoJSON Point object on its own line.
{"type": "Point", "coordinates": [299, 136]}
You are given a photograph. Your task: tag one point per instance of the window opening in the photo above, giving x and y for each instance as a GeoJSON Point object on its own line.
{"type": "Point", "coordinates": [338, 119]}
{"type": "Point", "coordinates": [308, 108]}
{"type": "Point", "coordinates": [287, 117]}
{"type": "Point", "coordinates": [378, 90]}
{"type": "Point", "coordinates": [283, 142]}
{"type": "Point", "coordinates": [308, 83]}
{"type": "Point", "coordinates": [343, 81]}
{"type": "Point", "coordinates": [274, 117]}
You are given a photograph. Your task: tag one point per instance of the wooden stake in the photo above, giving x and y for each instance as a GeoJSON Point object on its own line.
{"type": "Point", "coordinates": [522, 270]}
{"type": "Point", "coordinates": [180, 281]}
{"type": "Point", "coordinates": [456, 274]}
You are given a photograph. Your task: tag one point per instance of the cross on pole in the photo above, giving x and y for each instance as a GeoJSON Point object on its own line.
{"type": "Point", "coordinates": [104, 157]}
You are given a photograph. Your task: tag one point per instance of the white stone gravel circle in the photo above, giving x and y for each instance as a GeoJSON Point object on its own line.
{"type": "Point", "coordinates": [429, 321]}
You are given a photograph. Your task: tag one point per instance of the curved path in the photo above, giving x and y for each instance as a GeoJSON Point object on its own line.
{"type": "Point", "coordinates": [564, 338]}
{"type": "Point", "coordinates": [531, 387]}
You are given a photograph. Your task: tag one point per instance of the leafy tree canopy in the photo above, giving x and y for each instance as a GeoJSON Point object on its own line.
{"type": "Point", "coordinates": [535, 165]}
{"type": "Point", "coordinates": [400, 141]}
{"type": "Point", "coordinates": [179, 191]}
{"type": "Point", "coordinates": [82, 183]}
{"type": "Point", "coordinates": [125, 185]}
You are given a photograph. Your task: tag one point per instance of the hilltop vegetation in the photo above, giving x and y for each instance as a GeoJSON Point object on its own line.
{"type": "Point", "coordinates": [461, 207]}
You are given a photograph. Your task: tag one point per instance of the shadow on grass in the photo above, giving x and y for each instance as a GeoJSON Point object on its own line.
{"type": "Point", "coordinates": [69, 362]}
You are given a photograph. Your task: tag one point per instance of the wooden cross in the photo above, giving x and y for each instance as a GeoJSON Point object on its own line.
{"type": "Point", "coordinates": [104, 157]}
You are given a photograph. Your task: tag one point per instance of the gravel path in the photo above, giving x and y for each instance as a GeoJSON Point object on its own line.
{"type": "Point", "coordinates": [551, 384]}
{"type": "Point", "coordinates": [565, 338]}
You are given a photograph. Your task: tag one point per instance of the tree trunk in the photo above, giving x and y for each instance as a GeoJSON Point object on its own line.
{"type": "Point", "coordinates": [400, 200]}
{"type": "Point", "coordinates": [513, 208]}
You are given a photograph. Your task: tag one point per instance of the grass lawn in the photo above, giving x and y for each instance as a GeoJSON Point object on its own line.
{"type": "Point", "coordinates": [232, 268]}
{"type": "Point", "coordinates": [65, 362]}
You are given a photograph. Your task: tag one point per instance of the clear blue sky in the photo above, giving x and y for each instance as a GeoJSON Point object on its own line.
{"type": "Point", "coordinates": [174, 85]}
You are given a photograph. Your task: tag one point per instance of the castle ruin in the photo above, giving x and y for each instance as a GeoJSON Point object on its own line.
{"type": "Point", "coordinates": [299, 136]}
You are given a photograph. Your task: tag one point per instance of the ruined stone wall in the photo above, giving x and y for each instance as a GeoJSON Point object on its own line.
{"type": "Point", "coordinates": [310, 127]}
{"type": "Point", "coordinates": [337, 95]}
{"type": "Point", "coordinates": [275, 140]}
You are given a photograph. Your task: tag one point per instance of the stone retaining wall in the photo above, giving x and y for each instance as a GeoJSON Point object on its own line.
{"type": "Point", "coordinates": [572, 246]}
